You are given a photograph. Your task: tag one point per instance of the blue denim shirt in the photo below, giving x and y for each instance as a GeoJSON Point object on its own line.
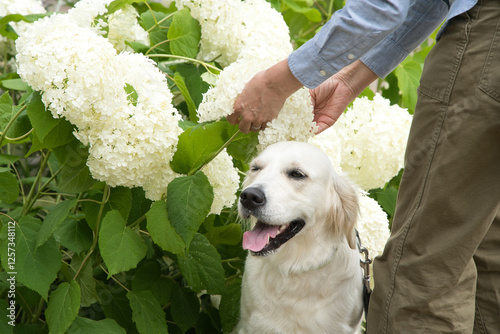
{"type": "Point", "coordinates": [379, 32]}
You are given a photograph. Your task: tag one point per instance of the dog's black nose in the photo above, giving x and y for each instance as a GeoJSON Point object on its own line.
{"type": "Point", "coordinates": [252, 198]}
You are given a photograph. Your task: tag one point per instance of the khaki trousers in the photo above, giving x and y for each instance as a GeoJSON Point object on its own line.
{"type": "Point", "coordinates": [440, 270]}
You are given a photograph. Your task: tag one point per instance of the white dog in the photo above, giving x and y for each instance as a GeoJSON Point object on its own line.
{"type": "Point", "coordinates": [304, 274]}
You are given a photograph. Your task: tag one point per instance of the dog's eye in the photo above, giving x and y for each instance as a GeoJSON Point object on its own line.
{"type": "Point", "coordinates": [255, 168]}
{"type": "Point", "coordinates": [297, 174]}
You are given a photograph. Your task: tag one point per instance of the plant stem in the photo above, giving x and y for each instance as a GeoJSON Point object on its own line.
{"type": "Point", "coordinates": [105, 197]}
{"type": "Point", "coordinates": [4, 133]}
{"type": "Point", "coordinates": [30, 200]}
{"type": "Point", "coordinates": [226, 144]}
{"type": "Point", "coordinates": [185, 58]}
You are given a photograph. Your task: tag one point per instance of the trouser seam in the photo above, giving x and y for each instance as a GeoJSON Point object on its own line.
{"type": "Point", "coordinates": [479, 321]}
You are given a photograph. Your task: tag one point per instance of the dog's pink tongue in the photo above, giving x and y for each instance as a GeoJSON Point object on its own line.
{"type": "Point", "coordinates": [257, 238]}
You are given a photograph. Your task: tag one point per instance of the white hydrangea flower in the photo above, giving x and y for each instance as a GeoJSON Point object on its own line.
{"type": "Point", "coordinates": [230, 28]}
{"type": "Point", "coordinates": [224, 179]}
{"type": "Point", "coordinates": [373, 137]}
{"type": "Point", "coordinates": [131, 139]}
{"type": "Point", "coordinates": [238, 32]}
{"type": "Point", "coordinates": [373, 225]}
{"type": "Point", "coordinates": [123, 26]}
{"type": "Point", "coordinates": [23, 7]}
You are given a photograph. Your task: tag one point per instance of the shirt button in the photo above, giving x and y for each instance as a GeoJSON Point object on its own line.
{"type": "Point", "coordinates": [350, 56]}
{"type": "Point", "coordinates": [322, 73]}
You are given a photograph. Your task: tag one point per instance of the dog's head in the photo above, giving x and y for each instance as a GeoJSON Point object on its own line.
{"type": "Point", "coordinates": [293, 192]}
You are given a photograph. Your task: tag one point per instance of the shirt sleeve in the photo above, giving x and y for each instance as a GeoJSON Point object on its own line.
{"type": "Point", "coordinates": [423, 18]}
{"type": "Point", "coordinates": [357, 28]}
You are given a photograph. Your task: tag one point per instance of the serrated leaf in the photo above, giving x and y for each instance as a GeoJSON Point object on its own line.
{"type": "Point", "coordinates": [229, 234]}
{"type": "Point", "coordinates": [229, 307]}
{"type": "Point", "coordinates": [161, 231]}
{"type": "Point", "coordinates": [36, 267]}
{"type": "Point", "coordinates": [116, 306]}
{"type": "Point", "coordinates": [75, 235]}
{"type": "Point", "coordinates": [179, 81]}
{"type": "Point", "coordinates": [9, 190]}
{"type": "Point", "coordinates": [121, 248]}
{"type": "Point", "coordinates": [185, 308]}
{"type": "Point", "coordinates": [85, 279]}
{"type": "Point", "coordinates": [74, 179]}
{"type": "Point", "coordinates": [41, 119]}
{"type": "Point", "coordinates": [201, 266]}
{"type": "Point", "coordinates": [54, 218]}
{"type": "Point", "coordinates": [60, 135]}
{"type": "Point", "coordinates": [148, 277]}
{"type": "Point", "coordinates": [199, 144]}
{"type": "Point", "coordinates": [157, 34]}
{"type": "Point", "coordinates": [184, 34]}
{"type": "Point", "coordinates": [189, 199]}
{"type": "Point", "coordinates": [147, 312]}
{"type": "Point", "coordinates": [89, 326]}
{"type": "Point", "coordinates": [408, 74]}
{"type": "Point", "coordinates": [63, 306]}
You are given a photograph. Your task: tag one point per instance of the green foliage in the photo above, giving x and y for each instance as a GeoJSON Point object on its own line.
{"type": "Point", "coordinates": [92, 258]}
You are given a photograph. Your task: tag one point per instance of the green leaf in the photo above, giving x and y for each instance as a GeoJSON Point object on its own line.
{"type": "Point", "coordinates": [121, 248]}
{"type": "Point", "coordinates": [132, 95]}
{"type": "Point", "coordinates": [185, 308]}
{"type": "Point", "coordinates": [312, 14]}
{"type": "Point", "coordinates": [6, 326]}
{"type": "Point", "coordinates": [41, 119]}
{"type": "Point", "coordinates": [8, 187]}
{"type": "Point", "coordinates": [119, 4]}
{"type": "Point", "coordinates": [148, 277]}
{"type": "Point", "coordinates": [6, 159]}
{"type": "Point", "coordinates": [229, 234]}
{"type": "Point", "coordinates": [36, 267]}
{"type": "Point", "coordinates": [140, 205]}
{"type": "Point", "coordinates": [199, 144]}
{"type": "Point", "coordinates": [85, 279]}
{"type": "Point", "coordinates": [229, 307]}
{"type": "Point", "coordinates": [408, 74]}
{"type": "Point", "coordinates": [7, 31]}
{"type": "Point", "coordinates": [147, 312]}
{"type": "Point", "coordinates": [15, 84]}
{"type": "Point", "coordinates": [157, 33]}
{"type": "Point", "coordinates": [179, 81]}
{"type": "Point", "coordinates": [74, 179]}
{"type": "Point", "coordinates": [184, 34]}
{"type": "Point", "coordinates": [88, 326]}
{"type": "Point", "coordinates": [161, 231]}
{"type": "Point", "coordinates": [75, 235]}
{"type": "Point", "coordinates": [60, 135]}
{"type": "Point", "coordinates": [63, 307]}
{"type": "Point", "coordinates": [119, 199]}
{"type": "Point", "coordinates": [201, 266]}
{"type": "Point", "coordinates": [116, 306]}
{"type": "Point", "coordinates": [189, 199]}
{"type": "Point", "coordinates": [53, 219]}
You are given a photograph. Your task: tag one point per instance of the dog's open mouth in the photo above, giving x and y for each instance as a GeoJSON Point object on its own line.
{"type": "Point", "coordinates": [264, 239]}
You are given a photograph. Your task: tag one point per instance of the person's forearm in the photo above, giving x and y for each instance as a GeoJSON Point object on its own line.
{"type": "Point", "coordinates": [356, 77]}
{"type": "Point", "coordinates": [281, 80]}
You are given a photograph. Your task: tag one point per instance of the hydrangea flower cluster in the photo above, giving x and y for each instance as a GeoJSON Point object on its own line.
{"type": "Point", "coordinates": [373, 225]}
{"type": "Point", "coordinates": [236, 34]}
{"type": "Point", "coordinates": [224, 179]}
{"type": "Point", "coordinates": [23, 7]}
{"type": "Point", "coordinates": [373, 137]}
{"type": "Point", "coordinates": [131, 138]}
{"type": "Point", "coordinates": [123, 26]}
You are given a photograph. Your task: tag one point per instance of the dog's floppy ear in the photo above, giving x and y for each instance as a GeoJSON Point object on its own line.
{"type": "Point", "coordinates": [343, 209]}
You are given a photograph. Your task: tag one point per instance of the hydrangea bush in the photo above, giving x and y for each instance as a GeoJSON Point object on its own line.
{"type": "Point", "coordinates": [119, 175]}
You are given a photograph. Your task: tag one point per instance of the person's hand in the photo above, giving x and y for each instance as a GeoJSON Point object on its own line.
{"type": "Point", "coordinates": [329, 100]}
{"type": "Point", "coordinates": [332, 97]}
{"type": "Point", "coordinates": [263, 97]}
